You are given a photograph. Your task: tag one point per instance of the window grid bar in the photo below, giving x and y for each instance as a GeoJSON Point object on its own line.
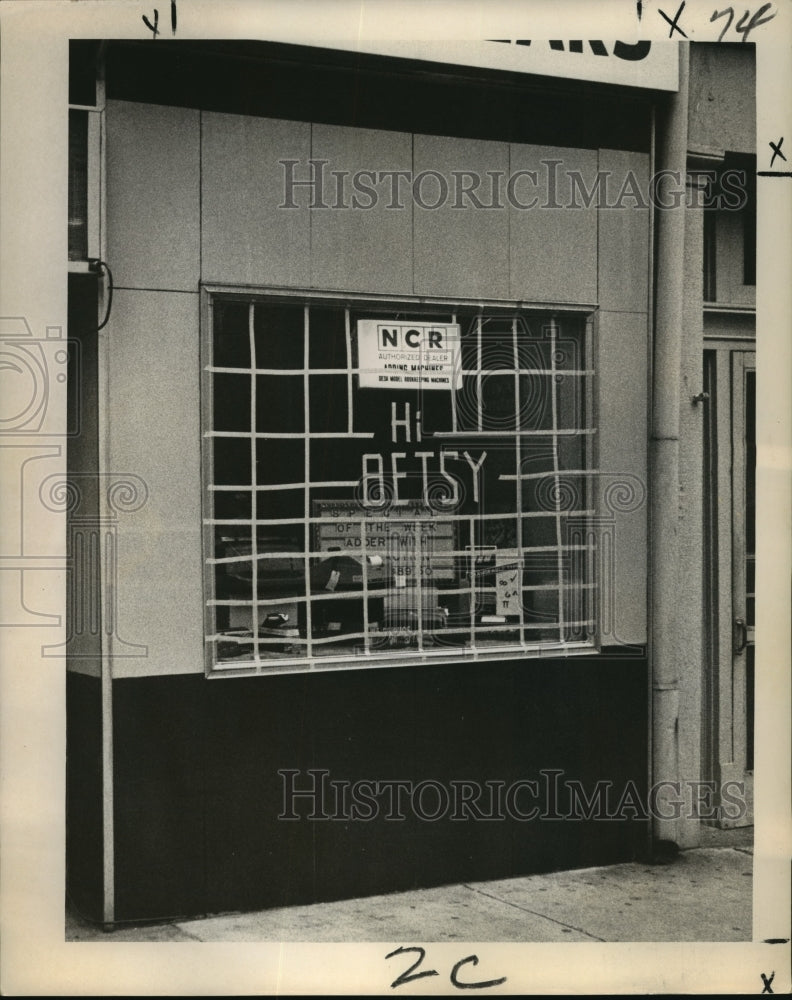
{"type": "Point", "coordinates": [418, 518]}
{"type": "Point", "coordinates": [307, 472]}
{"type": "Point", "coordinates": [254, 370]}
{"type": "Point", "coordinates": [592, 455]}
{"type": "Point", "coordinates": [275, 487]}
{"type": "Point", "coordinates": [418, 550]}
{"type": "Point", "coordinates": [364, 564]}
{"type": "Point", "coordinates": [558, 432]}
{"type": "Point", "coordinates": [207, 447]}
{"type": "Point", "coordinates": [350, 402]}
{"type": "Point", "coordinates": [352, 370]}
{"type": "Point", "coordinates": [588, 598]}
{"type": "Point", "coordinates": [272, 602]}
{"type": "Point", "coordinates": [544, 475]}
{"type": "Point", "coordinates": [320, 553]}
{"type": "Point", "coordinates": [243, 488]}
{"type": "Point", "coordinates": [510, 372]}
{"type": "Point", "coordinates": [300, 436]}
{"type": "Point", "coordinates": [253, 480]}
{"type": "Point", "coordinates": [472, 578]}
{"type": "Point", "coordinates": [518, 469]}
{"type": "Point", "coordinates": [479, 349]}
{"type": "Point", "coordinates": [286, 435]}
{"type": "Point", "coordinates": [454, 391]}
{"type": "Point", "coordinates": [556, 478]}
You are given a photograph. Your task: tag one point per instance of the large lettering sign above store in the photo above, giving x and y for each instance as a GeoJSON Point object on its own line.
{"type": "Point", "coordinates": [645, 64]}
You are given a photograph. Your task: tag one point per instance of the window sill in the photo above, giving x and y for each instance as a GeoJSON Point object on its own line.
{"type": "Point", "coordinates": [401, 658]}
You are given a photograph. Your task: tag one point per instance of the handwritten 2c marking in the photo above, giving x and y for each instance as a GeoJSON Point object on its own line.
{"type": "Point", "coordinates": [409, 974]}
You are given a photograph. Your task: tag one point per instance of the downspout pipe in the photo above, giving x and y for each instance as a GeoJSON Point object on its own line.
{"type": "Point", "coordinates": [664, 463]}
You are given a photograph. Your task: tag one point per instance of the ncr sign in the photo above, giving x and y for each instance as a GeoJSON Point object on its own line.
{"type": "Point", "coordinates": [408, 355]}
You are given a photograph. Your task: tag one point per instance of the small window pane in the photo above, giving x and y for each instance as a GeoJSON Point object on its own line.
{"type": "Point", "coordinates": [328, 338]}
{"type": "Point", "coordinates": [231, 334]}
{"type": "Point", "coordinates": [279, 404]}
{"type": "Point", "coordinates": [329, 403]}
{"type": "Point", "coordinates": [231, 402]}
{"type": "Point", "coordinates": [279, 335]}
{"type": "Point", "coordinates": [231, 461]}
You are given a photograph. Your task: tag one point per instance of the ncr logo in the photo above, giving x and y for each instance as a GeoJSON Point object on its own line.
{"type": "Point", "coordinates": [410, 336]}
{"type": "Point", "coordinates": [394, 355]}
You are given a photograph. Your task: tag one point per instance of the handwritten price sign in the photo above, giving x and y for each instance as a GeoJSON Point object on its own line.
{"type": "Point", "coordinates": [507, 585]}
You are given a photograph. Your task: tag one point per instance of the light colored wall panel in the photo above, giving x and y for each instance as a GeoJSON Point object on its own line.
{"type": "Point", "coordinates": [553, 250]}
{"type": "Point", "coordinates": [247, 238]}
{"type": "Point", "coordinates": [624, 232]}
{"type": "Point", "coordinates": [730, 261]}
{"type": "Point", "coordinates": [622, 379]}
{"type": "Point", "coordinates": [459, 251]}
{"type": "Point", "coordinates": [154, 433]}
{"type": "Point", "coordinates": [361, 248]}
{"type": "Point", "coordinates": [722, 96]}
{"type": "Point", "coordinates": [153, 196]}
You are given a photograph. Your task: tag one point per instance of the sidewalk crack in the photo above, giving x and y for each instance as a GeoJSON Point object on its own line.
{"type": "Point", "coordinates": [188, 934]}
{"type": "Point", "coordinates": [535, 913]}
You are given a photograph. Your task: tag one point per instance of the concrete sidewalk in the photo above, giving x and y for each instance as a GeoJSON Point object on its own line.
{"type": "Point", "coordinates": [703, 895]}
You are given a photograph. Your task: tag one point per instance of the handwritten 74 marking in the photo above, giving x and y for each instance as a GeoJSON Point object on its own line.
{"type": "Point", "coordinates": [743, 26]}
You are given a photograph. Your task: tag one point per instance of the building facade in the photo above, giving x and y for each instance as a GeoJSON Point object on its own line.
{"type": "Point", "coordinates": [410, 528]}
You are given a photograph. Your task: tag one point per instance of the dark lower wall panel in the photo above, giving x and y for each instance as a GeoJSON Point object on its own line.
{"type": "Point", "coordinates": [159, 796]}
{"type": "Point", "coordinates": [84, 837]}
{"type": "Point", "coordinates": [199, 796]}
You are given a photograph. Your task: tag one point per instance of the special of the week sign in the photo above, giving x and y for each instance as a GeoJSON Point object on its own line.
{"type": "Point", "coordinates": [398, 542]}
{"type": "Point", "coordinates": [408, 355]}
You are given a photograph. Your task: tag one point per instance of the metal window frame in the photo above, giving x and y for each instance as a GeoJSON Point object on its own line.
{"type": "Point", "coordinates": [348, 660]}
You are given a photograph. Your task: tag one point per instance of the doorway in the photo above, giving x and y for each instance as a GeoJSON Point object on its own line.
{"type": "Point", "coordinates": [729, 579]}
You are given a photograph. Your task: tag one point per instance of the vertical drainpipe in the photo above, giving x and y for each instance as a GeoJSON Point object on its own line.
{"type": "Point", "coordinates": [664, 457]}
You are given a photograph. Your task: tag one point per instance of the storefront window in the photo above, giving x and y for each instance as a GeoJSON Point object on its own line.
{"type": "Point", "coordinates": [386, 482]}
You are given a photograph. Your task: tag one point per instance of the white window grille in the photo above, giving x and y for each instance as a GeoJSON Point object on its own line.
{"type": "Point", "coordinates": [350, 526]}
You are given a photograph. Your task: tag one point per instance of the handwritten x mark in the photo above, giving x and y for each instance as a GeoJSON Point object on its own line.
{"type": "Point", "coordinates": [674, 25]}
{"type": "Point", "coordinates": [777, 150]}
{"type": "Point", "coordinates": [767, 982]}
